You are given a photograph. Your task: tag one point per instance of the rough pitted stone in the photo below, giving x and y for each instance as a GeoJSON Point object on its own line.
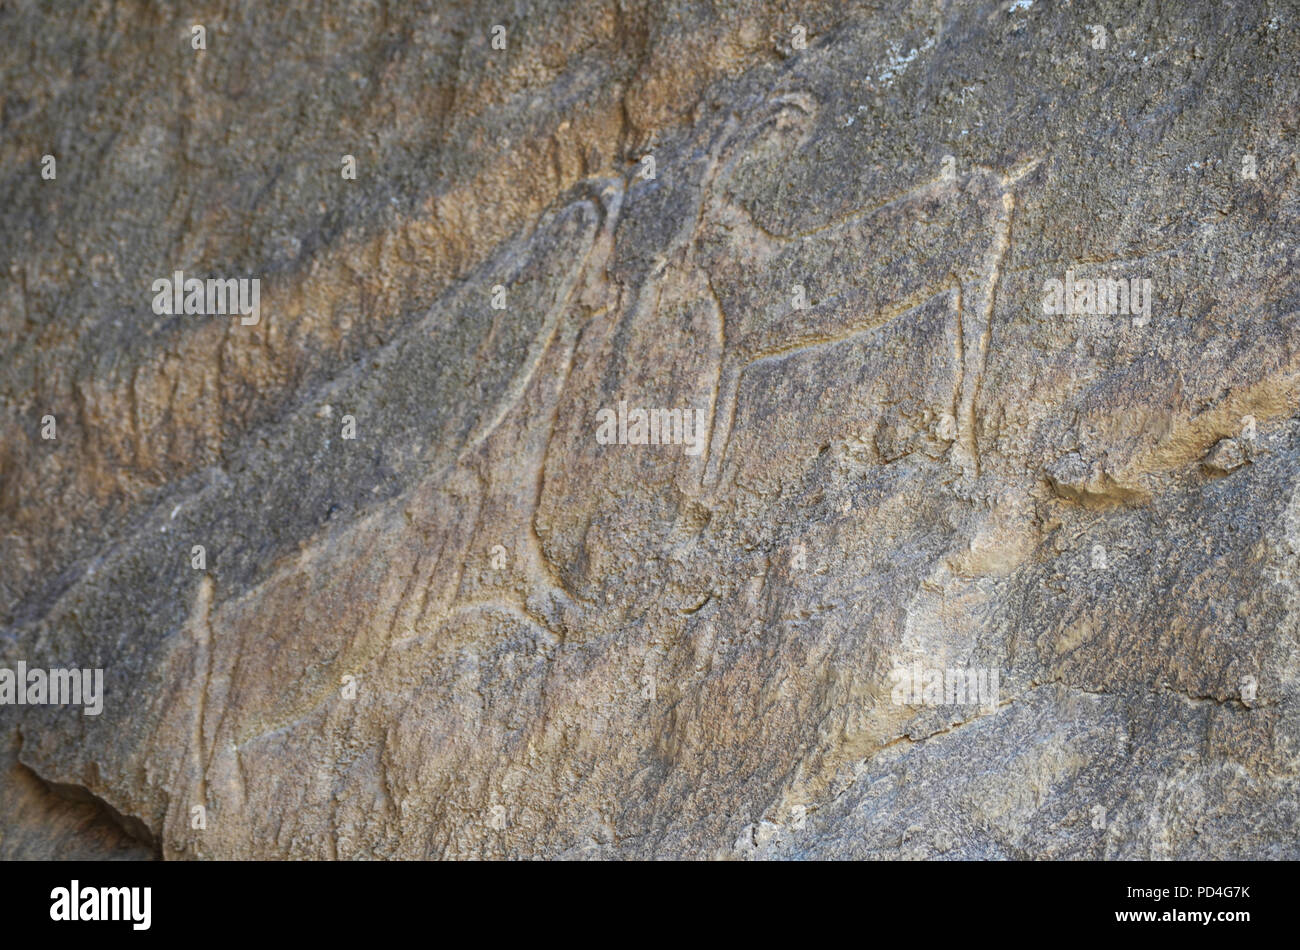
{"type": "Point", "coordinates": [565, 648]}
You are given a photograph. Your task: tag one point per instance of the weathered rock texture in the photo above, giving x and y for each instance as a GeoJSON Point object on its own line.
{"type": "Point", "coordinates": [564, 648]}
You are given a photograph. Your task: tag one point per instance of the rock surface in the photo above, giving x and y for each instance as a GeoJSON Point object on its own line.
{"type": "Point", "coordinates": [476, 629]}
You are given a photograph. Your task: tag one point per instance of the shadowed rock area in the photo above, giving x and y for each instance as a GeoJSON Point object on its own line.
{"type": "Point", "coordinates": [441, 613]}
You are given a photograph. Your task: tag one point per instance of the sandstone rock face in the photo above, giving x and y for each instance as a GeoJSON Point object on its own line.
{"type": "Point", "coordinates": [848, 257]}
